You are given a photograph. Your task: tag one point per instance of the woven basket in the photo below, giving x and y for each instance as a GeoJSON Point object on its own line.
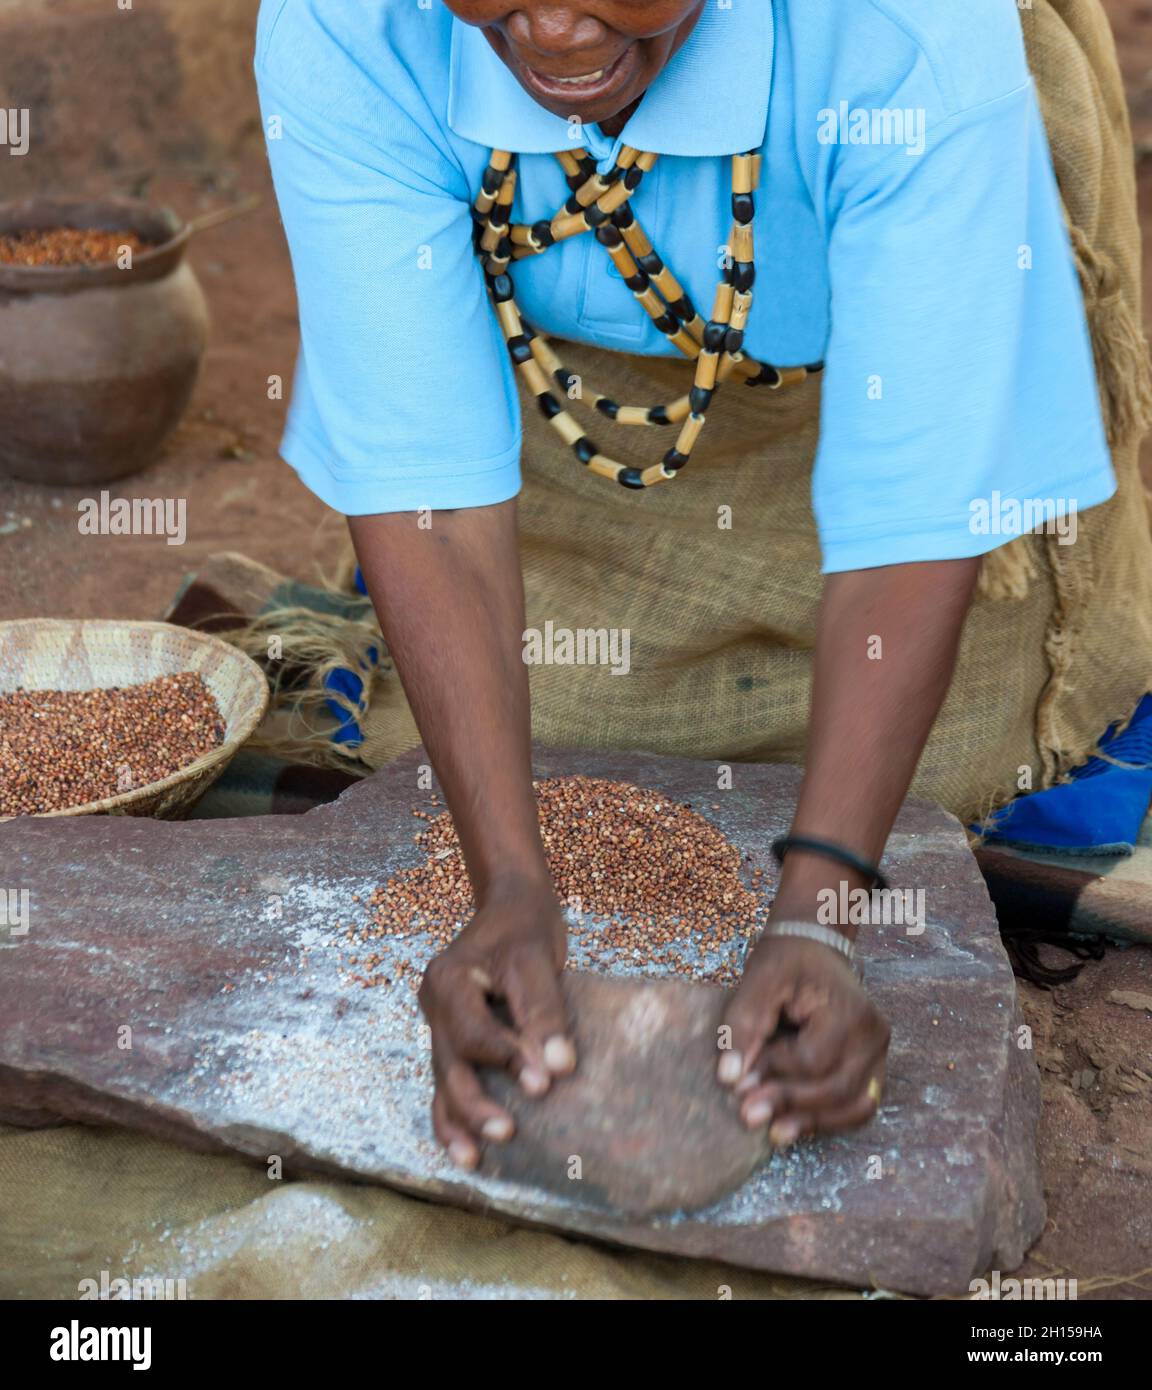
{"type": "Point", "coordinates": [77, 654]}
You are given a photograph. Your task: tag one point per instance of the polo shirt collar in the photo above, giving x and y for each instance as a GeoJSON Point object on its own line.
{"type": "Point", "coordinates": [711, 99]}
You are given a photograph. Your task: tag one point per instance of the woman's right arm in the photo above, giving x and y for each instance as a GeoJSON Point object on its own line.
{"type": "Point", "coordinates": [450, 600]}
{"type": "Point", "coordinates": [377, 211]}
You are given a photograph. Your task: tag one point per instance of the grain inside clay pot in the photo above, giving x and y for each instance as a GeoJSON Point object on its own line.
{"type": "Point", "coordinates": [97, 363]}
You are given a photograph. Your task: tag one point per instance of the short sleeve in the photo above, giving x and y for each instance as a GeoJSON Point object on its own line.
{"type": "Point", "coordinates": [404, 396]}
{"type": "Point", "coordinates": [959, 375]}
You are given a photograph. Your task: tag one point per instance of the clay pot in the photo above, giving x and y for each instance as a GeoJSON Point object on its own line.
{"type": "Point", "coordinates": [96, 363]}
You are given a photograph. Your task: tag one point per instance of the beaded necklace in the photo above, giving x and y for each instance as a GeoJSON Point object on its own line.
{"type": "Point", "coordinates": [600, 204]}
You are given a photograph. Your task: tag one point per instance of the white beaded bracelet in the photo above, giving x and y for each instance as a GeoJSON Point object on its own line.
{"type": "Point", "coordinates": [812, 931]}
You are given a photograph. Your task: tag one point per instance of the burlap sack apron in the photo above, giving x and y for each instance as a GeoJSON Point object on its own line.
{"type": "Point", "coordinates": [715, 577]}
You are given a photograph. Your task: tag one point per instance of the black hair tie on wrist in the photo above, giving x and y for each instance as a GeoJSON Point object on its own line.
{"type": "Point", "coordinates": [830, 850]}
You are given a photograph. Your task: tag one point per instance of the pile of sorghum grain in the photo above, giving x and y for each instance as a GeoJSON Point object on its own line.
{"type": "Point", "coordinates": [642, 873]}
{"type": "Point", "coordinates": [67, 246]}
{"type": "Point", "coordinates": [61, 748]}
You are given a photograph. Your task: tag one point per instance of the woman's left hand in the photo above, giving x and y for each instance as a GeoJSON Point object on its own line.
{"type": "Point", "coordinates": [826, 1073]}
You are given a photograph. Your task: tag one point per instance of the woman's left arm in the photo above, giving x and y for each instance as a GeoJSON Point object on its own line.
{"type": "Point", "coordinates": [885, 653]}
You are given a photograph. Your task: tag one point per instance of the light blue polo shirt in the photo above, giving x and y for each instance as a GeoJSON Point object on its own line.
{"type": "Point", "coordinates": [908, 233]}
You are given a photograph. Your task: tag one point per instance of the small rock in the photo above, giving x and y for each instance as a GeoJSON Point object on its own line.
{"type": "Point", "coordinates": [1131, 999]}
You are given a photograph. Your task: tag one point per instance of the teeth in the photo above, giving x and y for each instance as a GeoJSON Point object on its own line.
{"type": "Point", "coordinates": [586, 77]}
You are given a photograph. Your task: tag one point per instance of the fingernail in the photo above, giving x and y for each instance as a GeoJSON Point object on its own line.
{"type": "Point", "coordinates": [462, 1153]}
{"type": "Point", "coordinates": [498, 1128]}
{"type": "Point", "coordinates": [784, 1133]}
{"type": "Point", "coordinates": [534, 1081]}
{"type": "Point", "coordinates": [750, 1082]}
{"type": "Point", "coordinates": [731, 1065]}
{"type": "Point", "coordinates": [758, 1113]}
{"type": "Point", "coordinates": [559, 1055]}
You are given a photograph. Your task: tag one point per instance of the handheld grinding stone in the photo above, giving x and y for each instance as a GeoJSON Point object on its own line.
{"type": "Point", "coordinates": [642, 1126]}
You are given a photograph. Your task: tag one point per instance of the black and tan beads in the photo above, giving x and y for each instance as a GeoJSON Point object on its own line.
{"type": "Point", "coordinates": [599, 203]}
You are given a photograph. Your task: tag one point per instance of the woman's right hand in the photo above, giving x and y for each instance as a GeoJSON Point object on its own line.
{"type": "Point", "coordinates": [512, 951]}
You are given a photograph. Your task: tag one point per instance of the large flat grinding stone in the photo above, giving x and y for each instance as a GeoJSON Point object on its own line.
{"type": "Point", "coordinates": [193, 980]}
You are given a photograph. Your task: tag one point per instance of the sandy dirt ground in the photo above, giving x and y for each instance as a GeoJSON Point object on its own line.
{"type": "Point", "coordinates": [1095, 1054]}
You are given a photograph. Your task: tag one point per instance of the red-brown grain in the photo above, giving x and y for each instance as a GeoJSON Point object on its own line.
{"type": "Point", "coordinates": [61, 246]}
{"type": "Point", "coordinates": [67, 748]}
{"type": "Point", "coordinates": [645, 869]}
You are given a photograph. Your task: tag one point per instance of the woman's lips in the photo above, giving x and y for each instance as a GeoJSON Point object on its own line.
{"type": "Point", "coordinates": [585, 87]}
